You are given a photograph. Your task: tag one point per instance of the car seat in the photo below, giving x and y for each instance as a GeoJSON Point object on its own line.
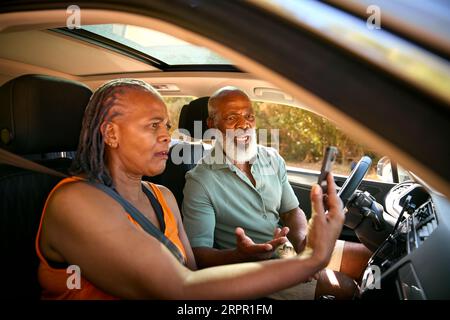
{"type": "Point", "coordinates": [40, 119]}
{"type": "Point", "coordinates": [183, 155]}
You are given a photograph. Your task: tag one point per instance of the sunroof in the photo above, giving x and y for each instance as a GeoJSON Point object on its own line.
{"type": "Point", "coordinates": [161, 46]}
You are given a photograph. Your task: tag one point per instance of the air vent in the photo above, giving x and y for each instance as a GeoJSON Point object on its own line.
{"type": "Point", "coordinates": [271, 94]}
{"type": "Point", "coordinates": [399, 189]}
{"type": "Point", "coordinates": [425, 221]}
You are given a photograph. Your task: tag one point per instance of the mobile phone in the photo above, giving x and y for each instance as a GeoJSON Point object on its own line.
{"type": "Point", "coordinates": [328, 160]}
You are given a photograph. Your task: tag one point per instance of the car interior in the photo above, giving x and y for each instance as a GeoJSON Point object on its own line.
{"type": "Point", "coordinates": [47, 75]}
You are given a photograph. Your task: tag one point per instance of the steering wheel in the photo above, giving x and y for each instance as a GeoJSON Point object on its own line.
{"type": "Point", "coordinates": [354, 180]}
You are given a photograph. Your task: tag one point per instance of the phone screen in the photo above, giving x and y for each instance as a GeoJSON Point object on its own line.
{"type": "Point", "coordinates": [328, 160]}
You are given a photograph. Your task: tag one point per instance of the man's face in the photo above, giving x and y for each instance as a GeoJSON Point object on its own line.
{"type": "Point", "coordinates": [236, 121]}
{"type": "Point", "coordinates": [234, 112]}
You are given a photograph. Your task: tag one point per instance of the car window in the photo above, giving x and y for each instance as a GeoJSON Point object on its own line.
{"type": "Point", "coordinates": [373, 42]}
{"type": "Point", "coordinates": [303, 137]}
{"type": "Point", "coordinates": [174, 105]}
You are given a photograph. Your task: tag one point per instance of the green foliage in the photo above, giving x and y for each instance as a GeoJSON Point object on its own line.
{"type": "Point", "coordinates": [304, 135]}
{"type": "Point", "coordinates": [174, 105]}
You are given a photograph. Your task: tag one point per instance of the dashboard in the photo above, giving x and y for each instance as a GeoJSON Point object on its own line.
{"type": "Point", "coordinates": [413, 263]}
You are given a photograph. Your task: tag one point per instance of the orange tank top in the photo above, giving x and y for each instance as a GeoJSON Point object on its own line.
{"type": "Point", "coordinates": [54, 281]}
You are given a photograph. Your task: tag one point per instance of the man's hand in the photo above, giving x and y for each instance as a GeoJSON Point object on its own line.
{"type": "Point", "coordinates": [250, 251]}
{"type": "Point", "coordinates": [325, 228]}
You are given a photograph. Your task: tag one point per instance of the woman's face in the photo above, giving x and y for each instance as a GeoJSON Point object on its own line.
{"type": "Point", "coordinates": [141, 129]}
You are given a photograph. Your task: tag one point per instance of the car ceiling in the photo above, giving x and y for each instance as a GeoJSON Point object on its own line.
{"type": "Point", "coordinates": [63, 54]}
{"type": "Point", "coordinates": [52, 53]}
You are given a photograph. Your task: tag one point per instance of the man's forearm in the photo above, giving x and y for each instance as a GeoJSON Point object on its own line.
{"type": "Point", "coordinates": [208, 257]}
{"type": "Point", "coordinates": [298, 228]}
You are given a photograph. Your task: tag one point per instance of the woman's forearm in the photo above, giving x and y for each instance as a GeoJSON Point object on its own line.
{"type": "Point", "coordinates": [248, 280]}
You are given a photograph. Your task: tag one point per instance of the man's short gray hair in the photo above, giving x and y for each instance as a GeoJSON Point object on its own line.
{"type": "Point", "coordinates": [220, 94]}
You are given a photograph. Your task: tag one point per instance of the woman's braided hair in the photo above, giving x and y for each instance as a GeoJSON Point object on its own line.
{"type": "Point", "coordinates": [90, 156]}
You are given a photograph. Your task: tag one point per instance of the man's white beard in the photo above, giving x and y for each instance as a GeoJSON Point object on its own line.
{"type": "Point", "coordinates": [239, 152]}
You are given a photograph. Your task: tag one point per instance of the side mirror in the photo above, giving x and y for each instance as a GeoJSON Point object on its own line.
{"type": "Point", "coordinates": [385, 172]}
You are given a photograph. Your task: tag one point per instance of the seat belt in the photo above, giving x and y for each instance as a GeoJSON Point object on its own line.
{"type": "Point", "coordinates": [143, 221]}
{"type": "Point", "coordinates": [12, 159]}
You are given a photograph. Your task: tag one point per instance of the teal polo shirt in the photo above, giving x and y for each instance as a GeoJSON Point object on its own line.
{"type": "Point", "coordinates": [218, 197]}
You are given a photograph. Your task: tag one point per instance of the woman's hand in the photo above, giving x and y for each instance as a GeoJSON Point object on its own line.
{"type": "Point", "coordinates": [324, 227]}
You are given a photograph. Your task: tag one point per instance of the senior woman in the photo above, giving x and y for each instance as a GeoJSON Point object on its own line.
{"type": "Point", "coordinates": [124, 136]}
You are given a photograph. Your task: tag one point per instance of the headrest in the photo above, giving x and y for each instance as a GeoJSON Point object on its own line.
{"type": "Point", "coordinates": [196, 110]}
{"type": "Point", "coordinates": [41, 114]}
